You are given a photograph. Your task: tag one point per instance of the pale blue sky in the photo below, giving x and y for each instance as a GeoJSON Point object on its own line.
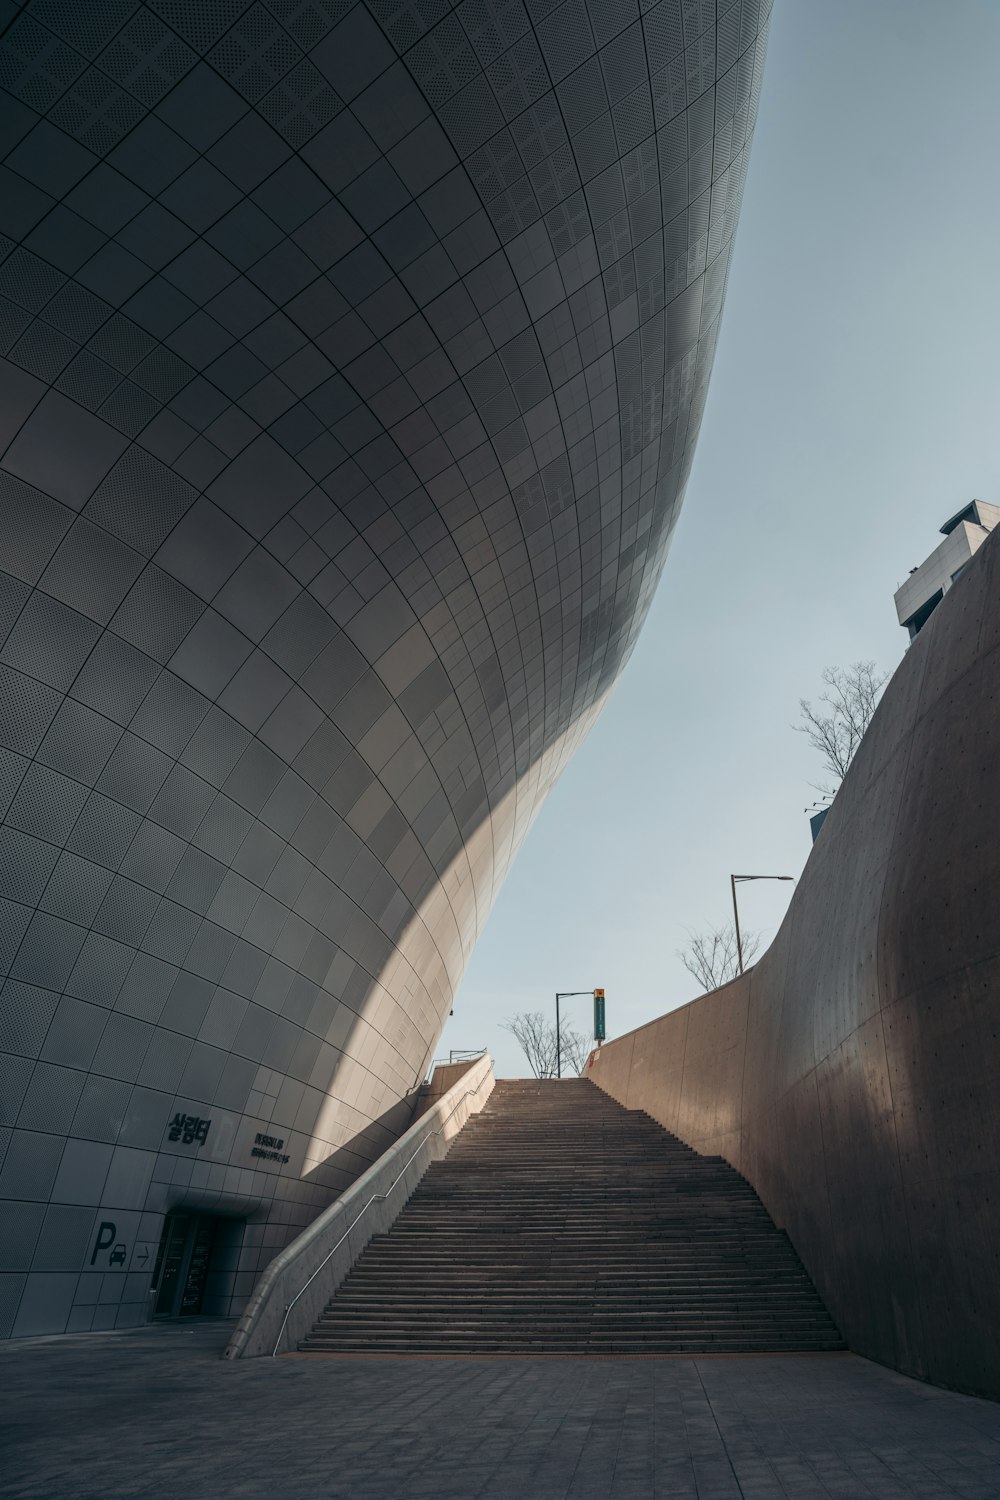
{"type": "Point", "coordinates": [855, 405]}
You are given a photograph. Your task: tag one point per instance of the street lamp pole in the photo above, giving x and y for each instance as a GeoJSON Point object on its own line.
{"type": "Point", "coordinates": [733, 879]}
{"type": "Point", "coordinates": [563, 995]}
{"type": "Point", "coordinates": [736, 919]}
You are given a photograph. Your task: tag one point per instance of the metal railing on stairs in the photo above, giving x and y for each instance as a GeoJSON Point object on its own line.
{"type": "Point", "coordinates": [456, 1055]}
{"type": "Point", "coordinates": [255, 1330]}
{"type": "Point", "coordinates": [375, 1198]}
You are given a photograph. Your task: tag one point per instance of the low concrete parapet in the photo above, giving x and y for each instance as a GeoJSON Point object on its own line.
{"type": "Point", "coordinates": [299, 1282]}
{"type": "Point", "coordinates": [441, 1081]}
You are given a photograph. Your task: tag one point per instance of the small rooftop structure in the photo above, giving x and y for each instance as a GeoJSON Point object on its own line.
{"type": "Point", "coordinates": [964, 533]}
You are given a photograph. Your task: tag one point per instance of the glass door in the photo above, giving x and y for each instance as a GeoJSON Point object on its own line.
{"type": "Point", "coordinates": [171, 1264]}
{"type": "Point", "coordinates": [202, 1237]}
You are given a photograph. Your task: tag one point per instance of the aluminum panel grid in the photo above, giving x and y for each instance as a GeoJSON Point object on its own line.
{"type": "Point", "coordinates": [353, 357]}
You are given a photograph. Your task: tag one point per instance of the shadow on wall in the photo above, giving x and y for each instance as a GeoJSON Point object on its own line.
{"type": "Point", "coordinates": [851, 1076]}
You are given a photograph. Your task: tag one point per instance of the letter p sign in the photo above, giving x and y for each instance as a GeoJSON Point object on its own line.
{"type": "Point", "coordinates": [105, 1239]}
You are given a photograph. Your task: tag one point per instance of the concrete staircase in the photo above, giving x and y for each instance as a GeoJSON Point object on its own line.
{"type": "Point", "coordinates": [561, 1223]}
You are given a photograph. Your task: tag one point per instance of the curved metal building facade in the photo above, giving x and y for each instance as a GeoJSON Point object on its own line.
{"type": "Point", "coordinates": [353, 359]}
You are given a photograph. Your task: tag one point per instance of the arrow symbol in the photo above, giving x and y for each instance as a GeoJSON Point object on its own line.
{"type": "Point", "coordinates": [142, 1259]}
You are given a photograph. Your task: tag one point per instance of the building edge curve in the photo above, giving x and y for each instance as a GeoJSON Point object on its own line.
{"type": "Point", "coordinates": [353, 359]}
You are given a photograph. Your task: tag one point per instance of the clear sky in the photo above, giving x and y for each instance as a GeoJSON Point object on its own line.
{"type": "Point", "coordinates": [854, 406]}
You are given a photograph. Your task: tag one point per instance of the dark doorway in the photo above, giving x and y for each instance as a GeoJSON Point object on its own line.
{"type": "Point", "coordinates": [182, 1264]}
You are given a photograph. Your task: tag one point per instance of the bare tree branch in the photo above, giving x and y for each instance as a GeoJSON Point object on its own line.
{"type": "Point", "coordinates": [575, 1050]}
{"type": "Point", "coordinates": [537, 1039]}
{"type": "Point", "coordinates": [713, 957]}
{"type": "Point", "coordinates": [836, 731]}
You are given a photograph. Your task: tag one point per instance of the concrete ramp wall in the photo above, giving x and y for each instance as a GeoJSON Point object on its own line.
{"type": "Point", "coordinates": [853, 1076]}
{"type": "Point", "coordinates": [298, 1283]}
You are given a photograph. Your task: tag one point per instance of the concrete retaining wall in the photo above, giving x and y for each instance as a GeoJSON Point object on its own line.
{"type": "Point", "coordinates": [298, 1283]}
{"type": "Point", "coordinates": [441, 1081]}
{"type": "Point", "coordinates": [852, 1075]}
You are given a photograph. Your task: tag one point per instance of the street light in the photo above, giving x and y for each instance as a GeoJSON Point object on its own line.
{"type": "Point", "coordinates": [734, 879]}
{"type": "Point", "coordinates": [563, 995]}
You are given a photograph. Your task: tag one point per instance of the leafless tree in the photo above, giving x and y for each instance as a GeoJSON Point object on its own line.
{"type": "Point", "coordinates": [713, 957]}
{"type": "Point", "coordinates": [537, 1039]}
{"type": "Point", "coordinates": [837, 725]}
{"type": "Point", "coordinates": [575, 1050]}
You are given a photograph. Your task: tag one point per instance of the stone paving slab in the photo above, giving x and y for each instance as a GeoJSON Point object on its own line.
{"type": "Point", "coordinates": [155, 1412]}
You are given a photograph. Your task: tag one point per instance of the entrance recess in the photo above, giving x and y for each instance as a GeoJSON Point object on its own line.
{"type": "Point", "coordinates": [182, 1264]}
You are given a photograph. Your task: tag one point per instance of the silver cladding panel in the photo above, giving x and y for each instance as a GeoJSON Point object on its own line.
{"type": "Point", "coordinates": [353, 361]}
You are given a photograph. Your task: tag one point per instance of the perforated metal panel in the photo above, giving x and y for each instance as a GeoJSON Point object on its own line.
{"type": "Point", "coordinates": [353, 359]}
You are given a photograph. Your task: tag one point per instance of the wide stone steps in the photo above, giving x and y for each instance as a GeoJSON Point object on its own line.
{"type": "Point", "coordinates": [553, 1317]}
{"type": "Point", "coordinates": [527, 1247]}
{"type": "Point", "coordinates": [702, 1272]}
{"type": "Point", "coordinates": [535, 1243]}
{"type": "Point", "coordinates": [560, 1223]}
{"type": "Point", "coordinates": [531, 1288]}
{"type": "Point", "coordinates": [595, 1285]}
{"type": "Point", "coordinates": [660, 1314]}
{"type": "Point", "coordinates": [478, 1344]}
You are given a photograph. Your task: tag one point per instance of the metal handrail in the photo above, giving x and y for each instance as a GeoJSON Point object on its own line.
{"type": "Point", "coordinates": [376, 1198]}
{"type": "Point", "coordinates": [471, 1054]}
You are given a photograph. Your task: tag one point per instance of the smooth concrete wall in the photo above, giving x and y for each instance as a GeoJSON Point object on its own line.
{"type": "Point", "coordinates": [300, 1281]}
{"type": "Point", "coordinates": [851, 1076]}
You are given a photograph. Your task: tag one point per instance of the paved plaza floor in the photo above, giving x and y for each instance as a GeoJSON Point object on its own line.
{"type": "Point", "coordinates": [155, 1412]}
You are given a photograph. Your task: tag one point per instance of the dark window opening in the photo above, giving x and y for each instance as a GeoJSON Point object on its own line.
{"type": "Point", "coordinates": [917, 621]}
